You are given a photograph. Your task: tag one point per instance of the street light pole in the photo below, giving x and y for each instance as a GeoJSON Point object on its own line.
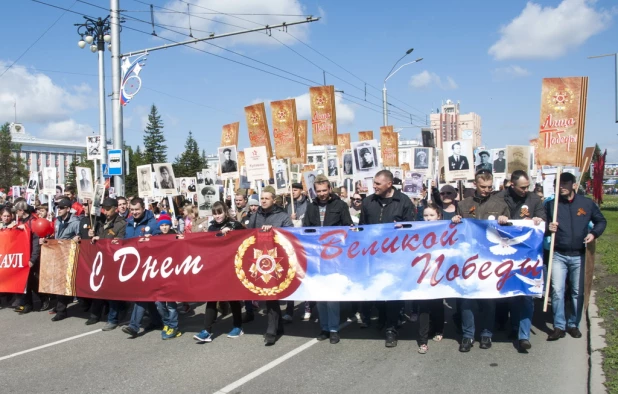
{"type": "Point", "coordinates": [390, 74]}
{"type": "Point", "coordinates": [117, 127]}
{"type": "Point", "coordinates": [96, 34]}
{"type": "Point", "coordinates": [615, 55]}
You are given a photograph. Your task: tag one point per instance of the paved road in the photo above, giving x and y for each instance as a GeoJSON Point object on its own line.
{"type": "Point", "coordinates": [92, 361]}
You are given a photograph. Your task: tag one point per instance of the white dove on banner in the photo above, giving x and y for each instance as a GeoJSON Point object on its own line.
{"type": "Point", "coordinates": [536, 285]}
{"type": "Point", "coordinates": [131, 83]}
{"type": "Point", "coordinates": [504, 244]}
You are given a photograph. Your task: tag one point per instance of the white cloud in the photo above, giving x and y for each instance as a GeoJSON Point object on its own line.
{"type": "Point", "coordinates": [39, 99]}
{"type": "Point", "coordinates": [426, 79]}
{"type": "Point", "coordinates": [217, 22]}
{"type": "Point", "coordinates": [510, 72]}
{"type": "Point", "coordinates": [547, 32]}
{"type": "Point", "coordinates": [67, 130]}
{"type": "Point", "coordinates": [340, 287]}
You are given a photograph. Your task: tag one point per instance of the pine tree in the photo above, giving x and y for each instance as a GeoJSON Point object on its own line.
{"type": "Point", "coordinates": [204, 161]}
{"type": "Point", "coordinates": [13, 172]}
{"type": "Point", "coordinates": [189, 162]}
{"type": "Point", "coordinates": [155, 148]}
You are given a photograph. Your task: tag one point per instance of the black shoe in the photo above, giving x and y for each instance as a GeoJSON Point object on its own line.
{"type": "Point", "coordinates": [556, 334]}
{"type": "Point", "coordinates": [466, 345]}
{"type": "Point", "coordinates": [28, 309]}
{"type": "Point", "coordinates": [323, 336]}
{"type": "Point", "coordinates": [270, 339]}
{"type": "Point", "coordinates": [92, 320]}
{"type": "Point", "coordinates": [131, 332]}
{"type": "Point", "coordinates": [45, 305]}
{"type": "Point", "coordinates": [485, 343]}
{"type": "Point", "coordinates": [58, 317]}
{"type": "Point", "coordinates": [334, 338]}
{"type": "Point", "coordinates": [248, 317]}
{"type": "Point", "coordinates": [574, 332]}
{"type": "Point", "coordinates": [524, 344]}
{"type": "Point", "coordinates": [513, 335]}
{"type": "Point", "coordinates": [391, 339]}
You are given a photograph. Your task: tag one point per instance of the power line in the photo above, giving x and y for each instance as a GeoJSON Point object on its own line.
{"type": "Point", "coordinates": [37, 40]}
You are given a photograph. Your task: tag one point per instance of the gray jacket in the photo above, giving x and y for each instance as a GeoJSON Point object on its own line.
{"type": "Point", "coordinates": [68, 228]}
{"type": "Point", "coordinates": [300, 207]}
{"type": "Point", "coordinates": [277, 217]}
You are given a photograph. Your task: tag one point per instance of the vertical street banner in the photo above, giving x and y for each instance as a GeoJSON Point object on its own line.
{"type": "Point", "coordinates": [229, 134]}
{"type": "Point", "coordinates": [323, 116]}
{"type": "Point", "coordinates": [301, 129]}
{"type": "Point", "coordinates": [14, 258]}
{"type": "Point", "coordinates": [389, 146]}
{"type": "Point", "coordinates": [343, 144]}
{"type": "Point", "coordinates": [563, 119]}
{"type": "Point", "coordinates": [258, 129]}
{"type": "Point", "coordinates": [365, 135]}
{"type": "Point", "coordinates": [58, 267]}
{"type": "Point", "coordinates": [284, 128]}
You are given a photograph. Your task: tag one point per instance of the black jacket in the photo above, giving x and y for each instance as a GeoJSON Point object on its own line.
{"type": "Point", "coordinates": [35, 248]}
{"type": "Point", "coordinates": [516, 203]}
{"type": "Point", "coordinates": [399, 209]}
{"type": "Point", "coordinates": [573, 219]}
{"type": "Point", "coordinates": [337, 213]}
{"type": "Point", "coordinates": [232, 224]}
{"type": "Point", "coordinates": [116, 229]}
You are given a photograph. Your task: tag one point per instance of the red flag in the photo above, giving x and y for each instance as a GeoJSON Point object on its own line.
{"type": "Point", "coordinates": [14, 258]}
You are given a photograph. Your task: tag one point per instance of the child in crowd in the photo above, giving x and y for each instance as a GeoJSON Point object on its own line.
{"type": "Point", "coordinates": [222, 223]}
{"type": "Point", "coordinates": [168, 310]}
{"type": "Point", "coordinates": [431, 311]}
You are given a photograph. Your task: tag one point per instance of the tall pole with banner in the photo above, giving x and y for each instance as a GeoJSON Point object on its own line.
{"type": "Point", "coordinates": [117, 127]}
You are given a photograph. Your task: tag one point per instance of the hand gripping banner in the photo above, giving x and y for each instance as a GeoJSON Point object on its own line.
{"type": "Point", "coordinates": [421, 260]}
{"type": "Point", "coordinates": [14, 258]}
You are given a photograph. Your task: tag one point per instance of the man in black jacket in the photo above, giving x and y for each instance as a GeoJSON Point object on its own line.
{"type": "Point", "coordinates": [523, 205]}
{"type": "Point", "coordinates": [387, 205]}
{"type": "Point", "coordinates": [24, 218]}
{"type": "Point", "coordinates": [327, 210]}
{"type": "Point", "coordinates": [572, 235]}
{"type": "Point", "coordinates": [268, 216]}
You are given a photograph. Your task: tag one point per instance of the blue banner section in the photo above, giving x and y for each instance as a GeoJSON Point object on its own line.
{"type": "Point", "coordinates": [421, 260]}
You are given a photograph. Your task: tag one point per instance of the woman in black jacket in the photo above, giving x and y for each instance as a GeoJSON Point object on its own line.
{"type": "Point", "coordinates": [223, 223]}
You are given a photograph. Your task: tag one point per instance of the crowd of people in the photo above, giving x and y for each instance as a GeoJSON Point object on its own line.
{"type": "Point", "coordinates": [578, 223]}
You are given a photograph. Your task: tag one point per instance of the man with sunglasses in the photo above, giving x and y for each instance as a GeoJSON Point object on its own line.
{"type": "Point", "coordinates": [483, 206]}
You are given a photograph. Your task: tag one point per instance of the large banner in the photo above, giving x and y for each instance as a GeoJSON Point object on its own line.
{"type": "Point", "coordinates": [323, 115]}
{"type": "Point", "coordinates": [563, 118]}
{"type": "Point", "coordinates": [284, 129]}
{"type": "Point", "coordinates": [421, 260]}
{"type": "Point", "coordinates": [14, 258]}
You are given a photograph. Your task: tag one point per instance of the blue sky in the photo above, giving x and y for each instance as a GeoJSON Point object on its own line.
{"type": "Point", "coordinates": [490, 56]}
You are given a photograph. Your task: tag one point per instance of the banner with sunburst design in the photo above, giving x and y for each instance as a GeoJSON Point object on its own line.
{"type": "Point", "coordinates": [284, 128]}
{"type": "Point", "coordinates": [323, 116]}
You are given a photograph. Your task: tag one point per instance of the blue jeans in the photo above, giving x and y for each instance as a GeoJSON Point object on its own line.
{"type": "Point", "coordinates": [573, 269]}
{"type": "Point", "coordinates": [522, 309]}
{"type": "Point", "coordinates": [487, 316]}
{"type": "Point", "coordinates": [329, 315]}
{"type": "Point", "coordinates": [169, 313]}
{"type": "Point", "coordinates": [114, 309]}
{"type": "Point", "coordinates": [138, 314]}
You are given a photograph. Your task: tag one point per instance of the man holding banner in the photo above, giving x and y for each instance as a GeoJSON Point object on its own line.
{"type": "Point", "coordinates": [572, 235]}
{"type": "Point", "coordinates": [325, 211]}
{"type": "Point", "coordinates": [386, 205]}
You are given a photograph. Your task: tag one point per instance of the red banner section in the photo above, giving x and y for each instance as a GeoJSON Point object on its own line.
{"type": "Point", "coordinates": [14, 258]}
{"type": "Point", "coordinates": [246, 264]}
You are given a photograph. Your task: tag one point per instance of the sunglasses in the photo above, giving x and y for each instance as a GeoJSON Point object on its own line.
{"type": "Point", "coordinates": [357, 199]}
{"type": "Point", "coordinates": [446, 193]}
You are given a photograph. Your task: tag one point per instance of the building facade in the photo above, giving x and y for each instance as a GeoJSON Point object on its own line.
{"type": "Point", "coordinates": [37, 153]}
{"type": "Point", "coordinates": [451, 125]}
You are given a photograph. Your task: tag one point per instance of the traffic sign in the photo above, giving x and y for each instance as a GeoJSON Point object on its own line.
{"type": "Point", "coordinates": [105, 171]}
{"type": "Point", "coordinates": [114, 157]}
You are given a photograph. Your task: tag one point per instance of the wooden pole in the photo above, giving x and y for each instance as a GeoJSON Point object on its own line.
{"type": "Point", "coordinates": [288, 163]}
{"type": "Point", "coordinates": [553, 239]}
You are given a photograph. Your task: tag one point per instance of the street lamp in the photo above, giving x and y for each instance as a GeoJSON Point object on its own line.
{"type": "Point", "coordinates": [390, 74]}
{"type": "Point", "coordinates": [96, 33]}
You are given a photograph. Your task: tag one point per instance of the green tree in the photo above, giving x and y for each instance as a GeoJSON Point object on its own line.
{"type": "Point", "coordinates": [204, 161]}
{"type": "Point", "coordinates": [155, 148]}
{"type": "Point", "coordinates": [13, 172]}
{"type": "Point", "coordinates": [190, 162]}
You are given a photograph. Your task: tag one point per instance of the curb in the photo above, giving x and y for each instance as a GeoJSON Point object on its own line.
{"type": "Point", "coordinates": [596, 343]}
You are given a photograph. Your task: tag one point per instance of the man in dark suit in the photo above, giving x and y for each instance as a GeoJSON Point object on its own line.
{"type": "Point", "coordinates": [500, 163]}
{"type": "Point", "coordinates": [457, 161]}
{"type": "Point", "coordinates": [228, 164]}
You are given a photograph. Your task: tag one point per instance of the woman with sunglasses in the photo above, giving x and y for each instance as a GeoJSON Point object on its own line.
{"type": "Point", "coordinates": [356, 202]}
{"type": "Point", "coordinates": [446, 200]}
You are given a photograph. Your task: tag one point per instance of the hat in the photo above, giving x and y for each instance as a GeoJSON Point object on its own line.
{"type": "Point", "coordinates": [421, 153]}
{"type": "Point", "coordinates": [241, 192]}
{"type": "Point", "coordinates": [297, 185]}
{"type": "Point", "coordinates": [109, 202]}
{"type": "Point", "coordinates": [64, 203]}
{"type": "Point", "coordinates": [447, 189]}
{"type": "Point", "coordinates": [253, 201]}
{"type": "Point", "coordinates": [208, 190]}
{"type": "Point", "coordinates": [164, 218]}
{"type": "Point", "coordinates": [484, 152]}
{"type": "Point", "coordinates": [270, 189]}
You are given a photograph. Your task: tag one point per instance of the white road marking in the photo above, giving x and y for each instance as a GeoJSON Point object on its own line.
{"type": "Point", "coordinates": [271, 365]}
{"type": "Point", "coordinates": [49, 345]}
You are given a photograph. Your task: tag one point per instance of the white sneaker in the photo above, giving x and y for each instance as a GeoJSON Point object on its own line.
{"type": "Point", "coordinates": [307, 316]}
{"type": "Point", "coordinates": [287, 318]}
